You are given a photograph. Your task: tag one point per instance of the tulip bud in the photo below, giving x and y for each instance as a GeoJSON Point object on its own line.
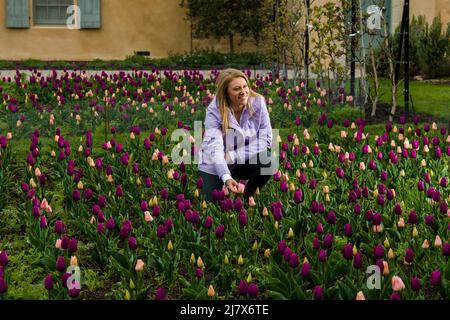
{"type": "Point", "coordinates": [391, 253]}
{"type": "Point", "coordinates": [415, 233]}
{"type": "Point", "coordinates": [240, 260]}
{"type": "Point", "coordinates": [200, 263]}
{"type": "Point", "coordinates": [267, 253]}
{"type": "Point", "coordinates": [425, 244]}
{"type": "Point", "coordinates": [438, 241]}
{"type": "Point", "coordinates": [170, 246]}
{"type": "Point", "coordinates": [255, 245]}
{"type": "Point", "coordinates": [385, 268]}
{"type": "Point", "coordinates": [290, 233]}
{"type": "Point", "coordinates": [73, 261]}
{"type": "Point", "coordinates": [225, 260]}
{"type": "Point", "coordinates": [139, 265]}
{"type": "Point", "coordinates": [211, 291]}
{"type": "Point", "coordinates": [360, 296]}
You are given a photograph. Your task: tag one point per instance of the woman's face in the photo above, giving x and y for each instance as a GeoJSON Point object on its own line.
{"type": "Point", "coordinates": [238, 92]}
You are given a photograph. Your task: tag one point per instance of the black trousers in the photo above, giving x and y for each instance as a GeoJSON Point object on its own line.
{"type": "Point", "coordinates": [253, 171]}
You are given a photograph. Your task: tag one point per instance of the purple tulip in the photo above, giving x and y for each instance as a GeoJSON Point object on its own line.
{"type": "Point", "coordinates": [64, 279]}
{"type": "Point", "coordinates": [397, 209]}
{"type": "Point", "coordinates": [282, 246]}
{"type": "Point", "coordinates": [59, 227]}
{"type": "Point", "coordinates": [298, 196]}
{"type": "Point", "coordinates": [347, 251]}
{"type": "Point", "coordinates": [208, 222]}
{"type": "Point", "coordinates": [168, 224]}
{"type": "Point", "coordinates": [328, 240]}
{"type": "Point", "coordinates": [293, 261]}
{"type": "Point", "coordinates": [101, 200]}
{"type": "Point", "coordinates": [287, 254]}
{"type": "Point", "coordinates": [243, 288]}
{"type": "Point", "coordinates": [443, 207]}
{"type": "Point", "coordinates": [348, 232]}
{"type": "Point", "coordinates": [88, 193]}
{"type": "Point", "coordinates": [318, 293]}
{"type": "Point", "coordinates": [331, 218]}
{"type": "Point", "coordinates": [110, 224]}
{"type": "Point", "coordinates": [43, 222]}
{"type": "Point", "coordinates": [25, 187]}
{"type": "Point", "coordinates": [48, 282]}
{"type": "Point", "coordinates": [161, 231]}
{"type": "Point", "coordinates": [220, 231]}
{"type": "Point", "coordinates": [65, 242]}
{"type": "Point", "coordinates": [357, 260]}
{"type": "Point", "coordinates": [277, 214]}
{"type": "Point", "coordinates": [164, 194]}
{"type": "Point", "coordinates": [3, 259]}
{"type": "Point", "coordinates": [378, 251]}
{"type": "Point", "coordinates": [340, 173]}
{"type": "Point", "coordinates": [446, 249]}
{"type": "Point", "coordinates": [322, 256]}
{"type": "Point", "coordinates": [60, 264]}
{"type": "Point", "coordinates": [415, 284]}
{"type": "Point", "coordinates": [435, 278]}
{"type": "Point", "coordinates": [147, 144]}
{"type": "Point", "coordinates": [148, 182]}
{"type": "Point", "coordinates": [380, 200]}
{"type": "Point", "coordinates": [72, 245]}
{"type": "Point", "coordinates": [76, 195]}
{"type": "Point", "coordinates": [242, 219]}
{"type": "Point", "coordinates": [412, 218]}
{"type": "Point", "coordinates": [119, 191]}
{"type": "Point", "coordinates": [74, 292]}
{"type": "Point", "coordinates": [429, 220]}
{"type": "Point", "coordinates": [395, 296]}
{"type": "Point", "coordinates": [156, 210]}
{"type": "Point", "coordinates": [3, 286]}
{"type": "Point", "coordinates": [306, 270]}
{"type": "Point", "coordinates": [376, 220]}
{"type": "Point", "coordinates": [409, 255]}
{"type": "Point", "coordinates": [253, 290]}
{"type": "Point", "coordinates": [160, 294]}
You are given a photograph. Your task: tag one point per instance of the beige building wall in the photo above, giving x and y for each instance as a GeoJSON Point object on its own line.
{"type": "Point", "coordinates": [158, 26]}
{"type": "Point", "coordinates": [427, 8]}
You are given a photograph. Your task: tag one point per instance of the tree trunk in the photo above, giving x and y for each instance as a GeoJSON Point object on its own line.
{"type": "Point", "coordinates": [230, 38]}
{"type": "Point", "coordinates": [376, 82]}
{"type": "Point", "coordinates": [391, 73]}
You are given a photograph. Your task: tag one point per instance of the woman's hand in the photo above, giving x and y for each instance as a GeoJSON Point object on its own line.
{"type": "Point", "coordinates": [232, 185]}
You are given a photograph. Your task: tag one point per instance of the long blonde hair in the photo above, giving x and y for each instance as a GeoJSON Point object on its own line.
{"type": "Point", "coordinates": [224, 79]}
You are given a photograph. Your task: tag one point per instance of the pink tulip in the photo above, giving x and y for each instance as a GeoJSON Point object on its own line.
{"type": "Point", "coordinates": [397, 283]}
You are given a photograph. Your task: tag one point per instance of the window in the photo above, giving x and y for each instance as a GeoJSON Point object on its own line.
{"type": "Point", "coordinates": [51, 12]}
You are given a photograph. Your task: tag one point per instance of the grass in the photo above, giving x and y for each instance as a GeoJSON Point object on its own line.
{"type": "Point", "coordinates": [428, 98]}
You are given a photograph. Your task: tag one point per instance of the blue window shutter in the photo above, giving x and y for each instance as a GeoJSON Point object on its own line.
{"type": "Point", "coordinates": [90, 14]}
{"type": "Point", "coordinates": [17, 15]}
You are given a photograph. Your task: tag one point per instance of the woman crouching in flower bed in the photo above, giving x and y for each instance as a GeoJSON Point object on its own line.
{"type": "Point", "coordinates": [238, 138]}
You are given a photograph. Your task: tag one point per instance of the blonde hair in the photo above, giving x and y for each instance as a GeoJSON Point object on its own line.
{"type": "Point", "coordinates": [224, 79]}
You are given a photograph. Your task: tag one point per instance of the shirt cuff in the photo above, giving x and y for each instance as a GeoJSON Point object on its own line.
{"type": "Point", "coordinates": [225, 177]}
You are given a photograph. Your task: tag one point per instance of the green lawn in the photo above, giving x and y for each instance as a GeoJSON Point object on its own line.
{"type": "Point", "coordinates": [427, 97]}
